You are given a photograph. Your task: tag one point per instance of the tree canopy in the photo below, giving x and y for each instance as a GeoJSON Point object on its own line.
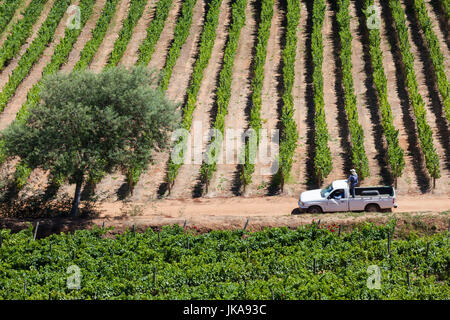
{"type": "Point", "coordinates": [90, 123]}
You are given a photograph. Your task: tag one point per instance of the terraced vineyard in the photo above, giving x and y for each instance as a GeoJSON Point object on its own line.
{"type": "Point", "coordinates": [349, 84]}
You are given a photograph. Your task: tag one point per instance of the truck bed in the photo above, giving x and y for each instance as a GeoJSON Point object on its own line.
{"type": "Point", "coordinates": [382, 191]}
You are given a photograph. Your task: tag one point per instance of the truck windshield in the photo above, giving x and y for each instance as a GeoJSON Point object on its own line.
{"type": "Point", "coordinates": [325, 192]}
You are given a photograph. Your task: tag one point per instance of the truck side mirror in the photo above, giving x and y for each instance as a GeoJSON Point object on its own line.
{"type": "Point", "coordinates": [329, 197]}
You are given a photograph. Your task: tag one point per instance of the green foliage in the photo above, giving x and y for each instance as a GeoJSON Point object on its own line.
{"type": "Point", "coordinates": [20, 32]}
{"type": "Point", "coordinates": [99, 32]}
{"type": "Point", "coordinates": [424, 131]}
{"type": "Point", "coordinates": [359, 157]}
{"type": "Point", "coordinates": [205, 50]}
{"type": "Point", "coordinates": [435, 53]}
{"type": "Point", "coordinates": [90, 123]}
{"type": "Point", "coordinates": [134, 14]}
{"type": "Point", "coordinates": [322, 160]}
{"type": "Point", "coordinates": [223, 92]}
{"type": "Point", "coordinates": [174, 264]}
{"type": "Point", "coordinates": [34, 52]}
{"type": "Point", "coordinates": [154, 31]}
{"type": "Point", "coordinates": [21, 175]}
{"type": "Point", "coordinates": [257, 84]}
{"type": "Point", "coordinates": [394, 152]}
{"type": "Point", "coordinates": [181, 32]}
{"type": "Point", "coordinates": [7, 10]}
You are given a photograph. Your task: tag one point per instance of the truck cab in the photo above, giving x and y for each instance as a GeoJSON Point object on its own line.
{"type": "Point", "coordinates": [336, 197]}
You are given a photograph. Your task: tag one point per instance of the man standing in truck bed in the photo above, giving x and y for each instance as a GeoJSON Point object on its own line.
{"type": "Point", "coordinates": [352, 181]}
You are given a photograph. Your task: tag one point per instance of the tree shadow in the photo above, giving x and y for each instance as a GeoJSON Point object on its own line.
{"type": "Point", "coordinates": [37, 206]}
{"type": "Point", "coordinates": [123, 192]}
{"type": "Point", "coordinates": [371, 99]}
{"type": "Point", "coordinates": [436, 105]}
{"type": "Point", "coordinates": [423, 179]}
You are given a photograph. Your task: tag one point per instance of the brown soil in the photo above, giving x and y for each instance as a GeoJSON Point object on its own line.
{"type": "Point", "coordinates": [131, 54]}
{"type": "Point", "coordinates": [33, 77]}
{"type": "Point", "coordinates": [8, 69]}
{"type": "Point", "coordinates": [162, 46]}
{"type": "Point", "coordinates": [182, 70]}
{"type": "Point", "coordinates": [431, 213]}
{"type": "Point", "coordinates": [84, 37]}
{"type": "Point", "coordinates": [189, 173]}
{"type": "Point", "coordinates": [104, 51]}
{"type": "Point", "coordinates": [334, 113]}
{"type": "Point", "coordinates": [226, 177]}
{"type": "Point", "coordinates": [271, 98]}
{"type": "Point", "coordinates": [149, 183]}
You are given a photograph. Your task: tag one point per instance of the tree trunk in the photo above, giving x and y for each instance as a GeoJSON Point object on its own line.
{"type": "Point", "coordinates": [76, 199]}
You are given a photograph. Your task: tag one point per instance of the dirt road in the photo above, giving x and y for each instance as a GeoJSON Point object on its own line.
{"type": "Point", "coordinates": [246, 207]}
{"type": "Point", "coordinates": [423, 213]}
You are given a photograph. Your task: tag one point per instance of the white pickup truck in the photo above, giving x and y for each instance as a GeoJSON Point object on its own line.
{"type": "Point", "coordinates": [336, 197]}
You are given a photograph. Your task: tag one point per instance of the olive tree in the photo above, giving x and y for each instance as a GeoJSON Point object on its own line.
{"type": "Point", "coordinates": [88, 123]}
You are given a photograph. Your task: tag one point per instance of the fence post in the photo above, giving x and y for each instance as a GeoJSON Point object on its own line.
{"type": "Point", "coordinates": [314, 266]}
{"type": "Point", "coordinates": [159, 239]}
{"type": "Point", "coordinates": [184, 225]}
{"type": "Point", "coordinates": [389, 244]}
{"type": "Point", "coordinates": [407, 278]}
{"type": "Point", "coordinates": [246, 224]}
{"type": "Point", "coordinates": [154, 275]}
{"type": "Point", "coordinates": [36, 230]}
{"type": "Point", "coordinates": [428, 248]}
{"type": "Point", "coordinates": [1, 239]}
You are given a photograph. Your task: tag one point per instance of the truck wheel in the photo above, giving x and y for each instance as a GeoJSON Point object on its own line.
{"type": "Point", "coordinates": [315, 209]}
{"type": "Point", "coordinates": [372, 208]}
